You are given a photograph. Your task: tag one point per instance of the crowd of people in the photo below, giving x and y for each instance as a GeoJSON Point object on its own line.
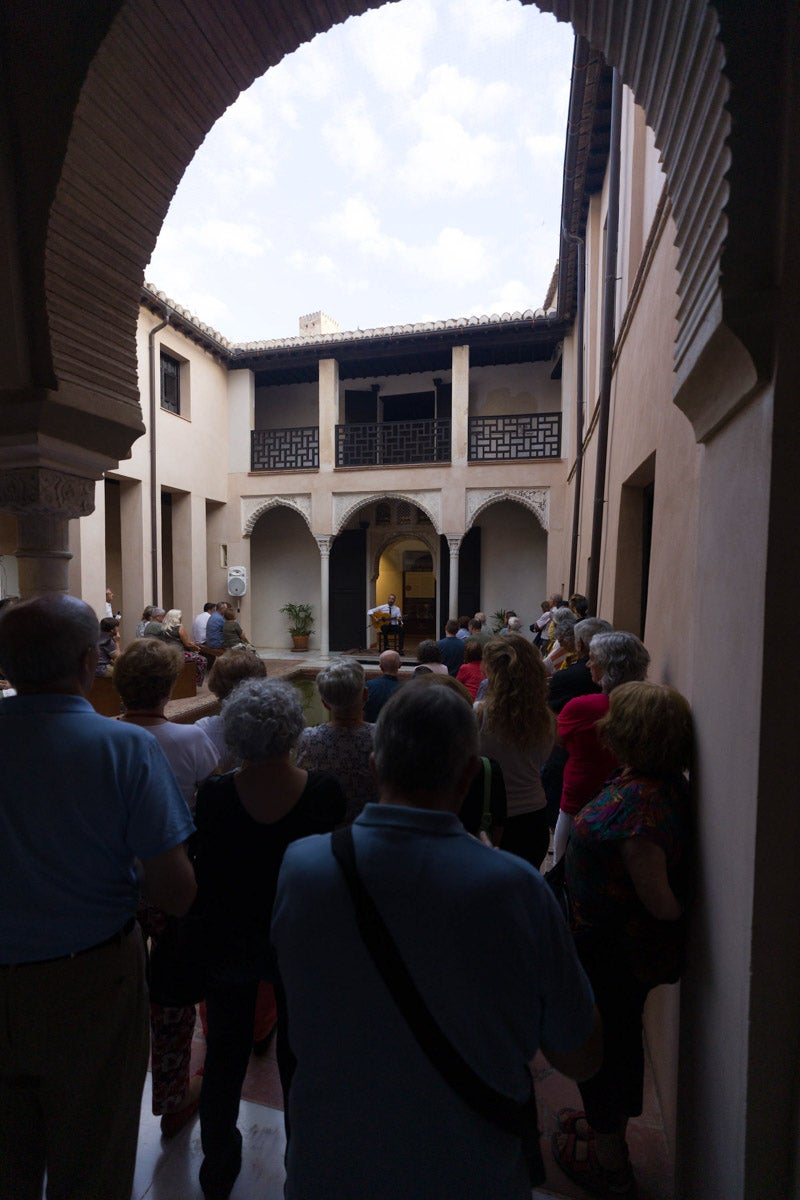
{"type": "Point", "coordinates": [374, 881]}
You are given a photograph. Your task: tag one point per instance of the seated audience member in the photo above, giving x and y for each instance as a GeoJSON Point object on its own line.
{"type": "Point", "coordinates": [382, 689]}
{"type": "Point", "coordinates": [153, 626]}
{"type": "Point", "coordinates": [245, 821]}
{"type": "Point", "coordinates": [539, 626]}
{"type": "Point", "coordinates": [102, 820]}
{"type": "Point", "coordinates": [475, 628]}
{"type": "Point", "coordinates": [343, 746]}
{"type": "Point", "coordinates": [172, 631]}
{"type": "Point", "coordinates": [470, 673]}
{"type": "Point", "coordinates": [476, 963]}
{"type": "Point", "coordinates": [563, 653]}
{"type": "Point", "coordinates": [144, 675]}
{"type": "Point", "coordinates": [200, 622]}
{"type": "Point", "coordinates": [228, 671]}
{"type": "Point", "coordinates": [429, 655]}
{"type": "Point", "coordinates": [614, 658]}
{"type": "Point", "coordinates": [147, 615]}
{"type": "Point", "coordinates": [232, 633]}
{"type": "Point", "coordinates": [215, 625]}
{"type": "Point", "coordinates": [463, 628]}
{"type": "Point", "coordinates": [452, 648]}
{"type": "Point", "coordinates": [108, 646]}
{"type": "Point", "coordinates": [626, 869]}
{"type": "Point", "coordinates": [579, 605]}
{"type": "Point", "coordinates": [514, 625]}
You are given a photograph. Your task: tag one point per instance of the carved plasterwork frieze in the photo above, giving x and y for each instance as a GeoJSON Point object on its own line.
{"type": "Point", "coordinates": [254, 507]}
{"type": "Point", "coordinates": [347, 503]}
{"type": "Point", "coordinates": [536, 500]}
{"type": "Point", "coordinates": [41, 491]}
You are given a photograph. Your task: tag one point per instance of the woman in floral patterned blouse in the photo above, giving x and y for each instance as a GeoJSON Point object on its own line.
{"type": "Point", "coordinates": [625, 867]}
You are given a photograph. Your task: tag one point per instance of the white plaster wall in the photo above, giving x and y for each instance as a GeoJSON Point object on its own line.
{"type": "Point", "coordinates": [515, 388]}
{"type": "Point", "coordinates": [513, 561]}
{"type": "Point", "coordinates": [288, 406]}
{"type": "Point", "coordinates": [284, 568]}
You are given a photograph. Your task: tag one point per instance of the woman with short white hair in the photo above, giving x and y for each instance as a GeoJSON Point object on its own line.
{"type": "Point", "coordinates": [245, 820]}
{"type": "Point", "coordinates": [343, 745]}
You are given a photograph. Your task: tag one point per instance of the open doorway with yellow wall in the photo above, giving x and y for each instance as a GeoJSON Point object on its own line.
{"type": "Point", "coordinates": [406, 570]}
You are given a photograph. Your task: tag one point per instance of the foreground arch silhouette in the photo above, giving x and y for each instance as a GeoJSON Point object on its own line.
{"type": "Point", "coordinates": [105, 105]}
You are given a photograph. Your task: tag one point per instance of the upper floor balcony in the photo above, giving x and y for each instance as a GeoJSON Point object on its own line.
{"type": "Point", "coordinates": [502, 438]}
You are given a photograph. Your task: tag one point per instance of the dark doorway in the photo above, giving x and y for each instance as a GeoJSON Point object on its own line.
{"type": "Point", "coordinates": [348, 573]}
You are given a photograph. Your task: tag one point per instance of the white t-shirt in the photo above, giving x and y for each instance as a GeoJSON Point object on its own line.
{"type": "Point", "coordinates": [191, 754]}
{"type": "Point", "coordinates": [199, 628]}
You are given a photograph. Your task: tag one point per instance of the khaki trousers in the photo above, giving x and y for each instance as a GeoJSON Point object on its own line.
{"type": "Point", "coordinates": [73, 1057]}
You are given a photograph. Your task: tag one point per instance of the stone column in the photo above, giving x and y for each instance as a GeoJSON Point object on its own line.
{"type": "Point", "coordinates": [454, 544]}
{"type": "Point", "coordinates": [328, 412]}
{"type": "Point", "coordinates": [44, 500]}
{"type": "Point", "coordinates": [459, 434]}
{"type": "Point", "coordinates": [324, 544]}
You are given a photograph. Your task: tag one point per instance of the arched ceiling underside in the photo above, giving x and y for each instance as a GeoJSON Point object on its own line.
{"type": "Point", "coordinates": [157, 78]}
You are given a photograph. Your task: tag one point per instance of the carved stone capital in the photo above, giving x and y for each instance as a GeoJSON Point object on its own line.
{"type": "Point", "coordinates": [454, 544]}
{"type": "Point", "coordinates": [324, 544]}
{"type": "Point", "coordinates": [41, 491]}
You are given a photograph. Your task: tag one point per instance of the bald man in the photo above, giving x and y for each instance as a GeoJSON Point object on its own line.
{"type": "Point", "coordinates": [382, 689]}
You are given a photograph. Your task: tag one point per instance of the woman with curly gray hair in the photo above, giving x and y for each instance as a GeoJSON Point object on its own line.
{"type": "Point", "coordinates": [614, 658]}
{"type": "Point", "coordinates": [245, 820]}
{"type": "Point", "coordinates": [344, 744]}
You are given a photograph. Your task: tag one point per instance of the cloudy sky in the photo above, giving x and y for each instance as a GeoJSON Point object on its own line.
{"type": "Point", "coordinates": [406, 166]}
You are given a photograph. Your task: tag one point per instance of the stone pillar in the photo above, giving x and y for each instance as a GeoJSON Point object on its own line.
{"type": "Point", "coordinates": [241, 419]}
{"type": "Point", "coordinates": [459, 434]}
{"type": "Point", "coordinates": [324, 544]}
{"type": "Point", "coordinates": [328, 412]}
{"type": "Point", "coordinates": [43, 501]}
{"type": "Point", "coordinates": [454, 544]}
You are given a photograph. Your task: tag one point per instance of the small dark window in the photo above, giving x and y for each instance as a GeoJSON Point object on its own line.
{"type": "Point", "coordinates": [170, 383]}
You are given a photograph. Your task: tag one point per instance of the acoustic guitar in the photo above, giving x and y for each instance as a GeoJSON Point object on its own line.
{"type": "Point", "coordinates": [380, 619]}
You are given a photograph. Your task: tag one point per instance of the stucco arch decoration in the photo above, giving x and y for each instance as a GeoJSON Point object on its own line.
{"type": "Point", "coordinates": [105, 207]}
{"type": "Point", "coordinates": [536, 500]}
{"type": "Point", "coordinates": [254, 507]}
{"type": "Point", "coordinates": [347, 505]}
{"type": "Point", "coordinates": [410, 535]}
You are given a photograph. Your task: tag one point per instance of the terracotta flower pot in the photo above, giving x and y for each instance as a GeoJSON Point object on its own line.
{"type": "Point", "coordinates": [300, 641]}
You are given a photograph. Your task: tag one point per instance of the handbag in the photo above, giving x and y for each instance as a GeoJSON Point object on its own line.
{"type": "Point", "coordinates": [503, 1112]}
{"type": "Point", "coordinates": [178, 964]}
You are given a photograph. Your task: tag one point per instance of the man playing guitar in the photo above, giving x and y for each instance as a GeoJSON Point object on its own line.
{"type": "Point", "coordinates": [388, 619]}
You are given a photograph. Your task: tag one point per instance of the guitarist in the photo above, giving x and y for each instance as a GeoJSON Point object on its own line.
{"type": "Point", "coordinates": [388, 619]}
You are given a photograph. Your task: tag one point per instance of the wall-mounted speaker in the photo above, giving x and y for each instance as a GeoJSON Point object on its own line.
{"type": "Point", "coordinates": [237, 581]}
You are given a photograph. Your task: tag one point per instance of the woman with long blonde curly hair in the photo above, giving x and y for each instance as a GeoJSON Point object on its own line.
{"type": "Point", "coordinates": [517, 729]}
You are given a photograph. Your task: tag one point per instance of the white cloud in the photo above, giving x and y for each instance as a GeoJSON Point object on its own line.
{"type": "Point", "coordinates": [230, 237]}
{"type": "Point", "coordinates": [354, 140]}
{"type": "Point", "coordinates": [450, 161]}
{"type": "Point", "coordinates": [489, 21]}
{"type": "Point", "coordinates": [511, 296]}
{"type": "Point", "coordinates": [453, 257]}
{"type": "Point", "coordinates": [391, 43]}
{"type": "Point", "coordinates": [316, 264]}
{"type": "Point", "coordinates": [451, 92]}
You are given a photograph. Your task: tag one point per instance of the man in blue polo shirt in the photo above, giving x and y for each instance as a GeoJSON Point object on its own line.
{"type": "Point", "coordinates": [215, 626]}
{"type": "Point", "coordinates": [90, 818]}
{"type": "Point", "coordinates": [486, 946]}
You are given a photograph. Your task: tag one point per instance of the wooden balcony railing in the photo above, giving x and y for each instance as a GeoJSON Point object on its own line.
{"type": "Point", "coordinates": [393, 443]}
{"type": "Point", "coordinates": [284, 449]}
{"type": "Point", "coordinates": [506, 438]}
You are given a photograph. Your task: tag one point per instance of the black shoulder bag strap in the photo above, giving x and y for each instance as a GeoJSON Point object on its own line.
{"type": "Point", "coordinates": [502, 1111]}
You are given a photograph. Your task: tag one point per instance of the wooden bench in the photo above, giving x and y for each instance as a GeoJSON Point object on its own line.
{"type": "Point", "coordinates": [105, 699]}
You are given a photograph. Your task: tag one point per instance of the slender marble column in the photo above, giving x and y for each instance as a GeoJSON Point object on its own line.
{"type": "Point", "coordinates": [324, 544]}
{"type": "Point", "coordinates": [454, 544]}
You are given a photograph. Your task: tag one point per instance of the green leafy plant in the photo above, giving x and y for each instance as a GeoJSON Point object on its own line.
{"type": "Point", "coordinates": [498, 620]}
{"type": "Point", "coordinates": [301, 619]}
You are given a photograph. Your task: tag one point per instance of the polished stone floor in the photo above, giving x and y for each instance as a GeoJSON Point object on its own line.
{"type": "Point", "coordinates": [167, 1170]}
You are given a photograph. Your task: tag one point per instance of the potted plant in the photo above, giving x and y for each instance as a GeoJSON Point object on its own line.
{"type": "Point", "coordinates": [498, 620]}
{"type": "Point", "coordinates": [301, 623]}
